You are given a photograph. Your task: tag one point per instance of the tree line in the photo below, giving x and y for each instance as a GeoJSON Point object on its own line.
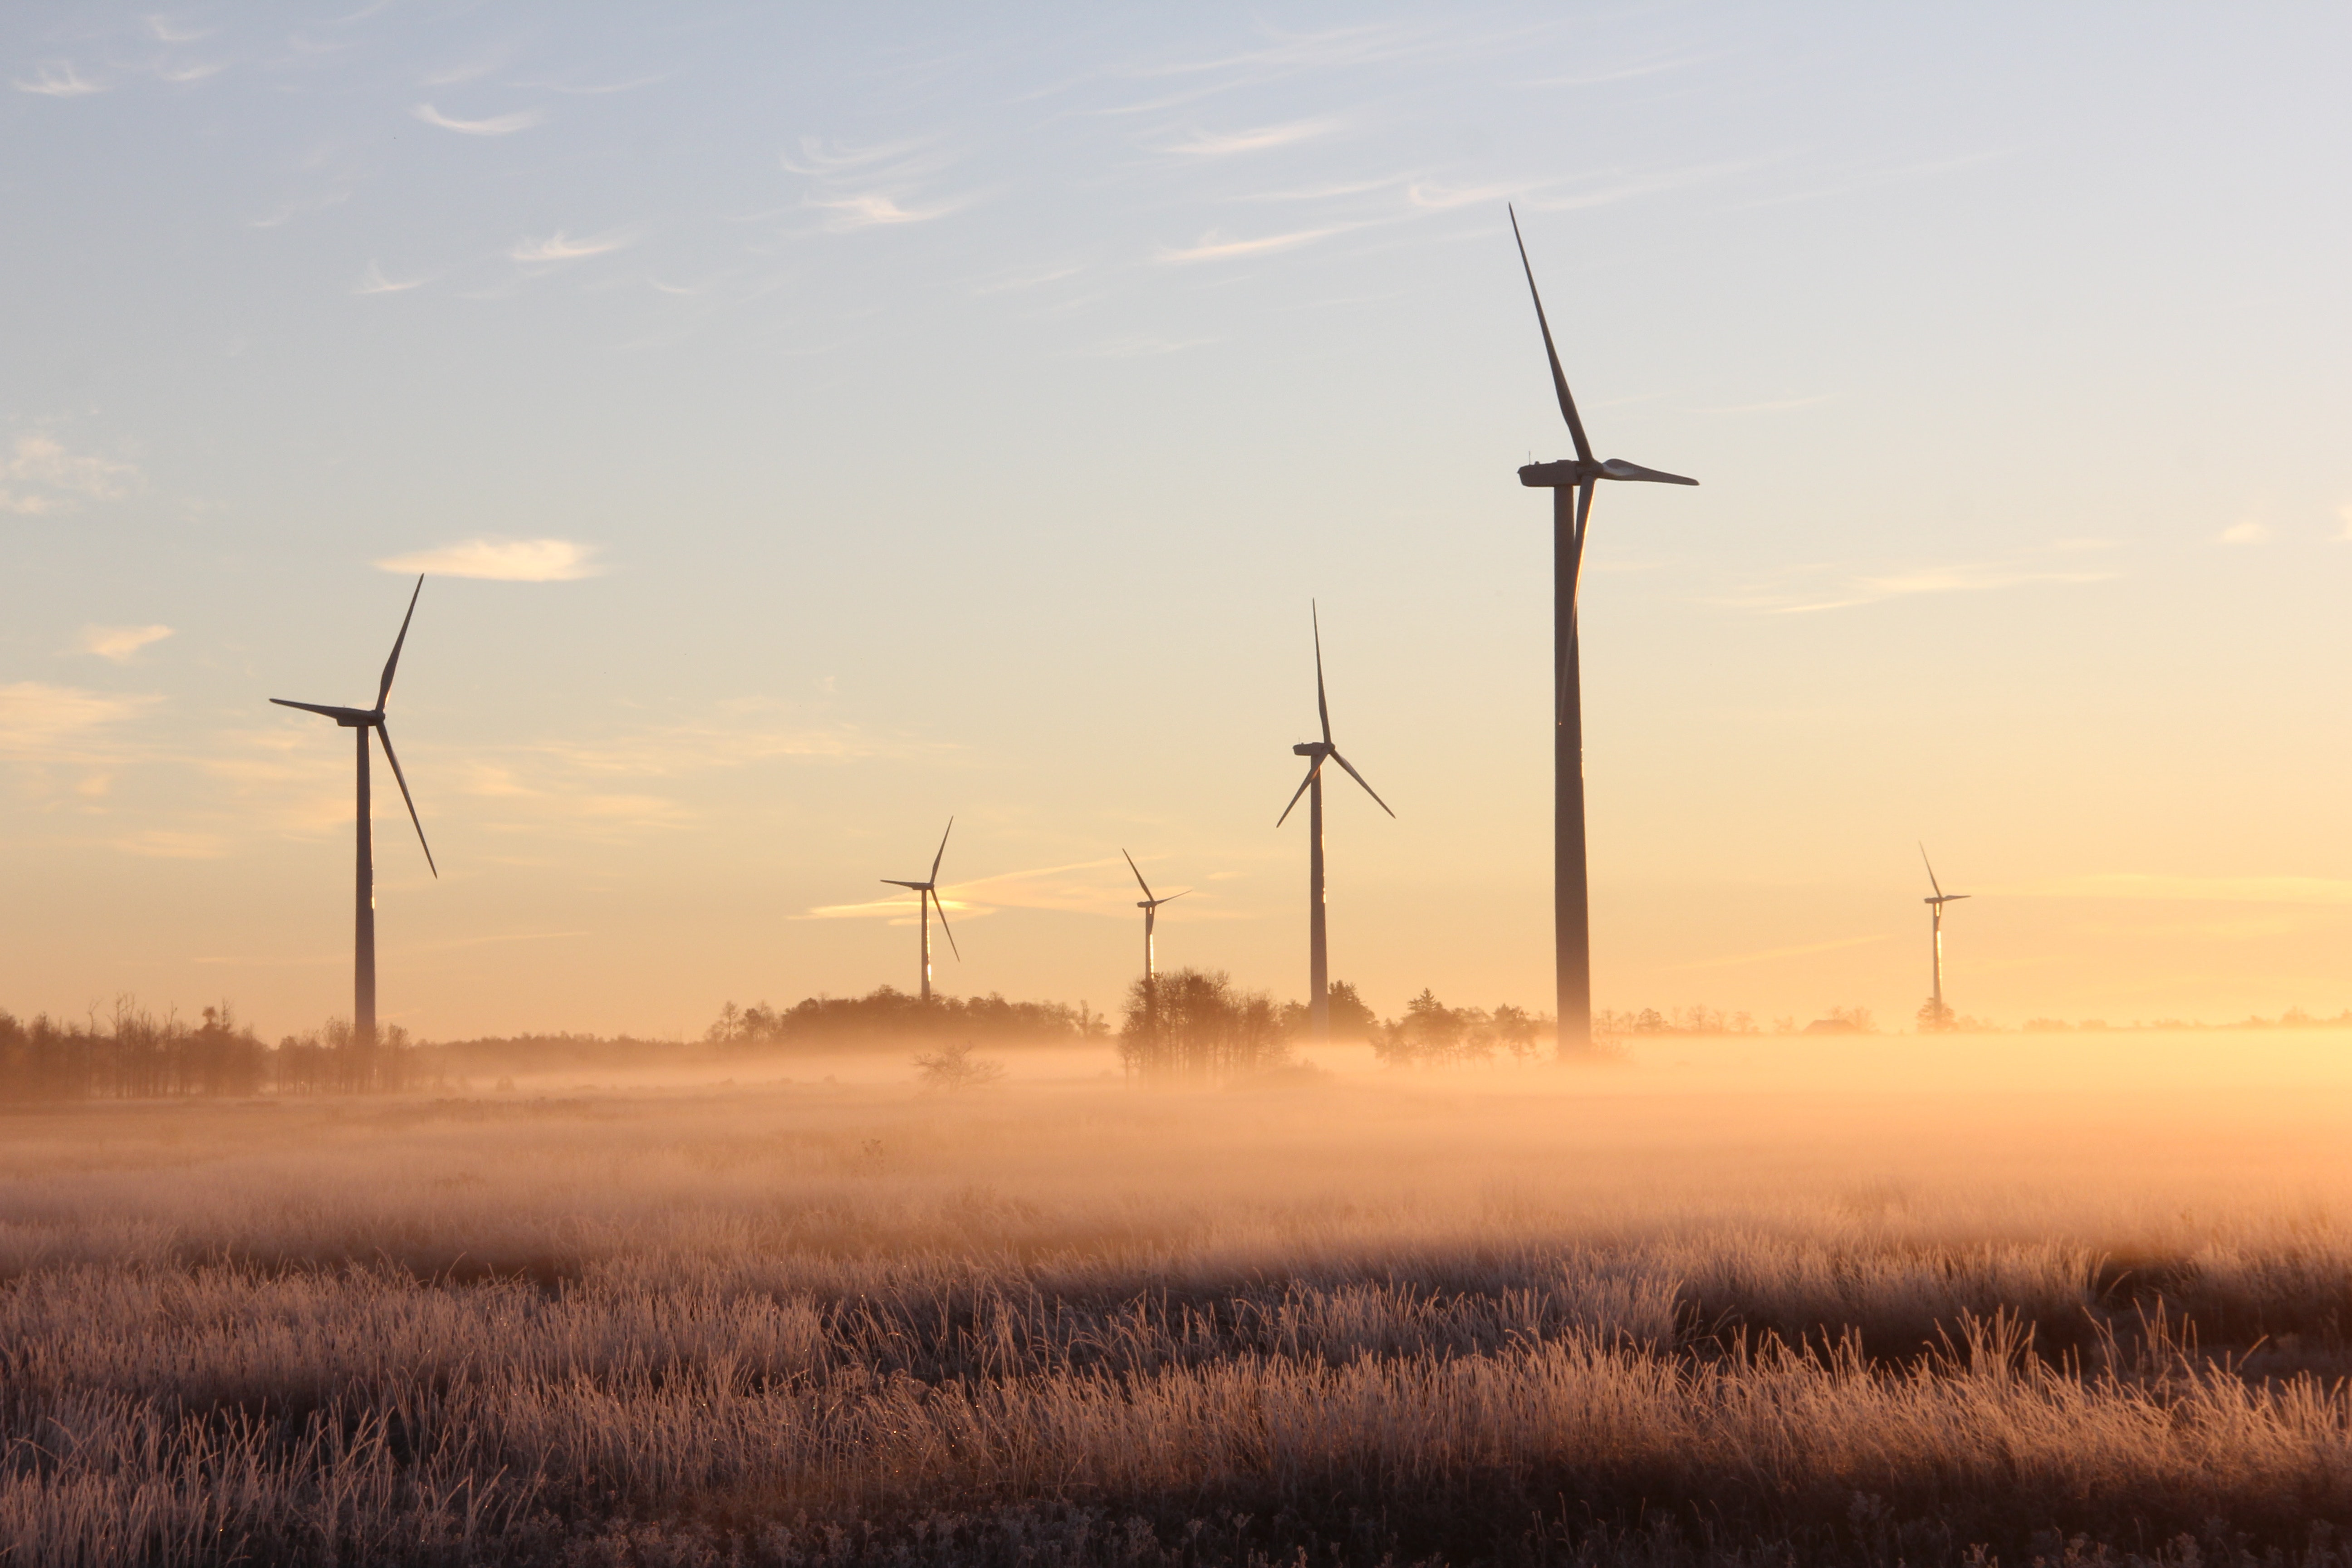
{"type": "Point", "coordinates": [135, 1054]}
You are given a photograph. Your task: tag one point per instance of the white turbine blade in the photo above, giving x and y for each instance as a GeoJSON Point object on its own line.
{"type": "Point", "coordinates": [1359, 779]}
{"type": "Point", "coordinates": [385, 735]}
{"type": "Point", "coordinates": [1301, 790]}
{"type": "Point", "coordinates": [1931, 871]}
{"type": "Point", "coordinates": [1139, 876]}
{"type": "Point", "coordinates": [934, 892]}
{"type": "Point", "coordinates": [393, 663]}
{"type": "Point", "coordinates": [943, 850]}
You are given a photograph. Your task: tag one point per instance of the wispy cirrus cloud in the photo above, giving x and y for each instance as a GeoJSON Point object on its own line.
{"type": "Point", "coordinates": [2248, 532]}
{"type": "Point", "coordinates": [40, 477]}
{"type": "Point", "coordinates": [884, 185]}
{"type": "Point", "coordinates": [374, 281]}
{"type": "Point", "coordinates": [560, 247]}
{"type": "Point", "coordinates": [119, 644]}
{"type": "Point", "coordinates": [872, 209]}
{"type": "Point", "coordinates": [1215, 246]}
{"type": "Point", "coordinates": [2136, 885]}
{"type": "Point", "coordinates": [44, 724]}
{"type": "Point", "coordinates": [1808, 589]}
{"type": "Point", "coordinates": [1440, 198]}
{"type": "Point", "coordinates": [1225, 144]}
{"type": "Point", "coordinates": [501, 560]}
{"type": "Point", "coordinates": [61, 81]}
{"type": "Point", "coordinates": [495, 125]}
{"type": "Point", "coordinates": [1080, 886]}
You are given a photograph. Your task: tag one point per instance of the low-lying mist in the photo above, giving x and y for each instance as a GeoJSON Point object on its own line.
{"type": "Point", "coordinates": [1854, 1299]}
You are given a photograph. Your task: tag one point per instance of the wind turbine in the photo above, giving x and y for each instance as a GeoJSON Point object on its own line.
{"type": "Point", "coordinates": [927, 896]}
{"type": "Point", "coordinates": [1151, 907]}
{"type": "Point", "coordinates": [1318, 967]}
{"type": "Point", "coordinates": [1935, 925]}
{"type": "Point", "coordinates": [1571, 481]}
{"type": "Point", "coordinates": [1149, 904]}
{"type": "Point", "coordinates": [364, 720]}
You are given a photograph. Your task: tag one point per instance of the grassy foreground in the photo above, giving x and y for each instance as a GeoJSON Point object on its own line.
{"type": "Point", "coordinates": [1725, 1305]}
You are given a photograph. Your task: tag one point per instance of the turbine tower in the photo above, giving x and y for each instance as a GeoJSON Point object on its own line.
{"type": "Point", "coordinates": [927, 897]}
{"type": "Point", "coordinates": [1318, 967]}
{"type": "Point", "coordinates": [1571, 481]}
{"type": "Point", "coordinates": [1937, 1011]}
{"type": "Point", "coordinates": [364, 720]}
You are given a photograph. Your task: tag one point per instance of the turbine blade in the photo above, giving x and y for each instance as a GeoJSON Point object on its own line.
{"type": "Point", "coordinates": [1173, 897]}
{"type": "Point", "coordinates": [893, 882]}
{"type": "Point", "coordinates": [942, 854]}
{"type": "Point", "coordinates": [943, 924]}
{"type": "Point", "coordinates": [1315, 768]}
{"type": "Point", "coordinates": [1359, 779]}
{"type": "Point", "coordinates": [1321, 707]}
{"type": "Point", "coordinates": [1619, 468]}
{"type": "Point", "coordinates": [1931, 871]}
{"type": "Point", "coordinates": [393, 663]}
{"type": "Point", "coordinates": [385, 735]}
{"type": "Point", "coordinates": [1139, 876]}
{"type": "Point", "coordinates": [1558, 379]}
{"type": "Point", "coordinates": [336, 713]}
{"type": "Point", "coordinates": [1955, 898]}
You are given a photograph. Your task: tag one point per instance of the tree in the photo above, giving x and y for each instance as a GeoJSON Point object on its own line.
{"type": "Point", "coordinates": [1193, 1027]}
{"type": "Point", "coordinates": [953, 1067]}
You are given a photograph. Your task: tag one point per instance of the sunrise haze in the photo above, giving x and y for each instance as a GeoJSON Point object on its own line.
{"type": "Point", "coordinates": [813, 424]}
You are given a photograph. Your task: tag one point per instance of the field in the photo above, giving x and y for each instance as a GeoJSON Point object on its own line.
{"type": "Point", "coordinates": [1763, 1301]}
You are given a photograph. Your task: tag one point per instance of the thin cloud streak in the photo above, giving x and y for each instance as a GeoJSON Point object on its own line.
{"type": "Point", "coordinates": [1966, 578]}
{"type": "Point", "coordinates": [120, 643]}
{"type": "Point", "coordinates": [560, 247]}
{"type": "Point", "coordinates": [2156, 887]}
{"type": "Point", "coordinates": [501, 560]}
{"type": "Point", "coordinates": [1208, 145]}
{"type": "Point", "coordinates": [43, 723]}
{"type": "Point", "coordinates": [58, 81]}
{"type": "Point", "coordinates": [1215, 246]}
{"type": "Point", "coordinates": [873, 210]}
{"type": "Point", "coordinates": [496, 125]}
{"type": "Point", "coordinates": [374, 281]}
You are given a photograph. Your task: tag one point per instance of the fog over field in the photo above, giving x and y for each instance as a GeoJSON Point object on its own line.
{"type": "Point", "coordinates": [1716, 1300]}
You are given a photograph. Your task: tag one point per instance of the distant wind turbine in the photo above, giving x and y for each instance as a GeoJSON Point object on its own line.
{"type": "Point", "coordinates": [1151, 907]}
{"type": "Point", "coordinates": [1571, 481]}
{"type": "Point", "coordinates": [364, 720]}
{"type": "Point", "coordinates": [1936, 927]}
{"type": "Point", "coordinates": [1318, 967]}
{"type": "Point", "coordinates": [927, 898]}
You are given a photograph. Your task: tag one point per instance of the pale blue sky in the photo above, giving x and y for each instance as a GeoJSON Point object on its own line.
{"type": "Point", "coordinates": [936, 414]}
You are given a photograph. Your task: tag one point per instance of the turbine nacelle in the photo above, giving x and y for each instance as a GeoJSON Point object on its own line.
{"type": "Point", "coordinates": [1570, 472]}
{"type": "Point", "coordinates": [349, 718]}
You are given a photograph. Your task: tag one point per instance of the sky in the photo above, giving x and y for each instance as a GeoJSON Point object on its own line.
{"type": "Point", "coordinates": [815, 423]}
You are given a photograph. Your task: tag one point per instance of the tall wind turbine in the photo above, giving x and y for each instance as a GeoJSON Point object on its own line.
{"type": "Point", "coordinates": [364, 720]}
{"type": "Point", "coordinates": [1572, 482]}
{"type": "Point", "coordinates": [927, 898]}
{"type": "Point", "coordinates": [1935, 926]}
{"type": "Point", "coordinates": [1319, 967]}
